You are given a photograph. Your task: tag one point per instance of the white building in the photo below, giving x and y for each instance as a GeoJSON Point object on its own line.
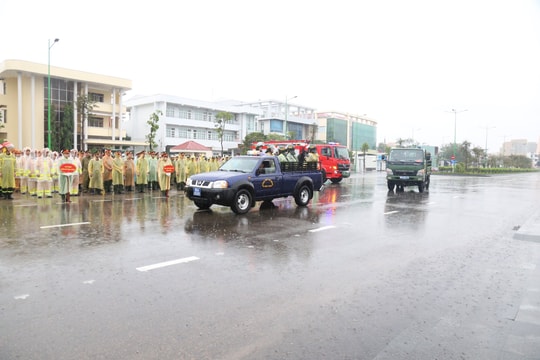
{"type": "Point", "coordinates": [286, 118]}
{"type": "Point", "coordinates": [185, 119]}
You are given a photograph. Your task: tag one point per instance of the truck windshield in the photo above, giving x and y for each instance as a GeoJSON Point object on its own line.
{"type": "Point", "coordinates": [241, 164]}
{"type": "Point", "coordinates": [342, 153]}
{"type": "Point", "coordinates": [406, 155]}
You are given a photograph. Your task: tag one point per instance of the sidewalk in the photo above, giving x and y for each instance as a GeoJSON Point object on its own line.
{"type": "Point", "coordinates": [523, 342]}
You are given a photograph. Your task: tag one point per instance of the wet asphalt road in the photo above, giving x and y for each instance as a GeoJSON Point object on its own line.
{"type": "Point", "coordinates": [359, 274]}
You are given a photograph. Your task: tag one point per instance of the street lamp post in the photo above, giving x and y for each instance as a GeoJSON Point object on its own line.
{"type": "Point", "coordinates": [286, 114]}
{"type": "Point", "coordinates": [49, 92]}
{"type": "Point", "coordinates": [486, 148]}
{"type": "Point", "coordinates": [455, 128]}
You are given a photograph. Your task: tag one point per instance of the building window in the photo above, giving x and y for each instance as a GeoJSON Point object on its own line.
{"type": "Point", "coordinates": [170, 111]}
{"type": "Point", "coordinates": [95, 97]}
{"type": "Point", "coordinates": [3, 116]}
{"type": "Point", "coordinates": [171, 132]}
{"type": "Point", "coordinates": [95, 121]}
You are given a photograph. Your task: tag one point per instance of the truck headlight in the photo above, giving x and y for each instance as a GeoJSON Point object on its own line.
{"type": "Point", "coordinates": [220, 184]}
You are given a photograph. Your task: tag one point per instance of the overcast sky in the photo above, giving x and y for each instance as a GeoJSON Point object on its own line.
{"type": "Point", "coordinates": [405, 64]}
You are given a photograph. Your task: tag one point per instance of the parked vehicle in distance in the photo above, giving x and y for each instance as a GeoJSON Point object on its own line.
{"type": "Point", "coordinates": [243, 180]}
{"type": "Point", "coordinates": [408, 167]}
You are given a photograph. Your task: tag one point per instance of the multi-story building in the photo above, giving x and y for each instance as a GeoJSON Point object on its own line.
{"type": "Point", "coordinates": [518, 147]}
{"type": "Point", "coordinates": [182, 119]}
{"type": "Point", "coordinates": [347, 129]}
{"type": "Point", "coordinates": [30, 119]}
{"type": "Point", "coordinates": [285, 118]}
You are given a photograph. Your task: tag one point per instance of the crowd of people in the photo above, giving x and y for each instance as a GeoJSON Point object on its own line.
{"type": "Point", "coordinates": [42, 173]}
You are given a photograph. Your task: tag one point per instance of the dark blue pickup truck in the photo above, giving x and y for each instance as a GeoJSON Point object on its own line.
{"type": "Point", "coordinates": [244, 180]}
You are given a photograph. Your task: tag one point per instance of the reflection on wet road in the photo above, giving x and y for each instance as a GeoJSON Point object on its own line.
{"type": "Point", "coordinates": [359, 273]}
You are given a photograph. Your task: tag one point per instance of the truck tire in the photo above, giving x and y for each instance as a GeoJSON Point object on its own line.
{"type": "Point", "coordinates": [242, 202]}
{"type": "Point", "coordinates": [323, 173]}
{"type": "Point", "coordinates": [391, 186]}
{"type": "Point", "coordinates": [421, 186]}
{"type": "Point", "coordinates": [302, 196]}
{"type": "Point", "coordinates": [202, 205]}
{"type": "Point", "coordinates": [336, 180]}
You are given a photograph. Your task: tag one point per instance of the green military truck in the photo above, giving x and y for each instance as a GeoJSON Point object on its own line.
{"type": "Point", "coordinates": [408, 167]}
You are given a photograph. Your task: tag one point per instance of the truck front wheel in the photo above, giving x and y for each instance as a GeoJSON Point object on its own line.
{"type": "Point", "coordinates": [336, 180]}
{"type": "Point", "coordinates": [421, 186]}
{"type": "Point", "coordinates": [302, 196]}
{"type": "Point", "coordinates": [391, 186]}
{"type": "Point", "coordinates": [241, 202]}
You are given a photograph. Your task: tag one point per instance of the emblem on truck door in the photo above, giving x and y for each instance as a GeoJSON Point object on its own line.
{"type": "Point", "coordinates": [267, 183]}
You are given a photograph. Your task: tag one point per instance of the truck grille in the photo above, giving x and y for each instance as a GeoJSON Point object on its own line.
{"type": "Point", "coordinates": [404, 173]}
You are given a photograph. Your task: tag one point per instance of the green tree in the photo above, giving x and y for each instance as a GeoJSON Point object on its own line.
{"type": "Point", "coordinates": [222, 118]}
{"type": "Point", "coordinates": [465, 152]}
{"type": "Point", "coordinates": [365, 148]}
{"type": "Point", "coordinates": [250, 139]}
{"type": "Point", "coordinates": [63, 131]}
{"type": "Point", "coordinates": [478, 154]}
{"type": "Point", "coordinates": [153, 122]}
{"type": "Point", "coordinates": [85, 106]}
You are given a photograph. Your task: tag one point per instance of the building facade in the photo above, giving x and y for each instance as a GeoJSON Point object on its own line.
{"type": "Point", "coordinates": [28, 120]}
{"type": "Point", "coordinates": [285, 118]}
{"type": "Point", "coordinates": [347, 129]}
{"type": "Point", "coordinates": [183, 119]}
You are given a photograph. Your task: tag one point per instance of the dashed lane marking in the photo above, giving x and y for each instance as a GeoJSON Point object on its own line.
{"type": "Point", "coordinates": [63, 225]}
{"type": "Point", "coordinates": [391, 212]}
{"type": "Point", "coordinates": [322, 228]}
{"type": "Point", "coordinates": [167, 263]}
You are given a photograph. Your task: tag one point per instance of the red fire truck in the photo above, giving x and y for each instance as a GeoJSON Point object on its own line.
{"type": "Point", "coordinates": [333, 157]}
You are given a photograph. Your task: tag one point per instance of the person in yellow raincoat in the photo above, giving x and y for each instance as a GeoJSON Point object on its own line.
{"type": "Point", "coordinates": [164, 175]}
{"type": "Point", "coordinates": [7, 172]}
{"type": "Point", "coordinates": [118, 173]}
{"type": "Point", "coordinates": [180, 170]}
{"type": "Point", "coordinates": [95, 172]}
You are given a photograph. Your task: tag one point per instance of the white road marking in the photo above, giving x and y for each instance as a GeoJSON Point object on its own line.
{"type": "Point", "coordinates": [167, 263]}
{"type": "Point", "coordinates": [132, 199]}
{"type": "Point", "coordinates": [391, 212]}
{"type": "Point", "coordinates": [22, 297]}
{"type": "Point", "coordinates": [63, 225]}
{"type": "Point", "coordinates": [88, 282]}
{"type": "Point", "coordinates": [322, 228]}
{"type": "Point", "coordinates": [102, 200]}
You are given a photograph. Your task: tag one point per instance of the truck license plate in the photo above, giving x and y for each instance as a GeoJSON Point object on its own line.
{"type": "Point", "coordinates": [404, 177]}
{"type": "Point", "coordinates": [196, 191]}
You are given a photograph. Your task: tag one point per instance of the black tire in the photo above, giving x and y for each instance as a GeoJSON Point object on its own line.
{"type": "Point", "coordinates": [302, 196]}
{"type": "Point", "coordinates": [335, 181]}
{"type": "Point", "coordinates": [421, 187]}
{"type": "Point", "coordinates": [391, 186]}
{"type": "Point", "coordinates": [323, 176]}
{"type": "Point", "coordinates": [202, 205]}
{"type": "Point", "coordinates": [427, 183]}
{"type": "Point", "coordinates": [242, 201]}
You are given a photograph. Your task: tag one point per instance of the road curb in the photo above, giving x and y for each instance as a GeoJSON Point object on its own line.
{"type": "Point", "coordinates": [530, 230]}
